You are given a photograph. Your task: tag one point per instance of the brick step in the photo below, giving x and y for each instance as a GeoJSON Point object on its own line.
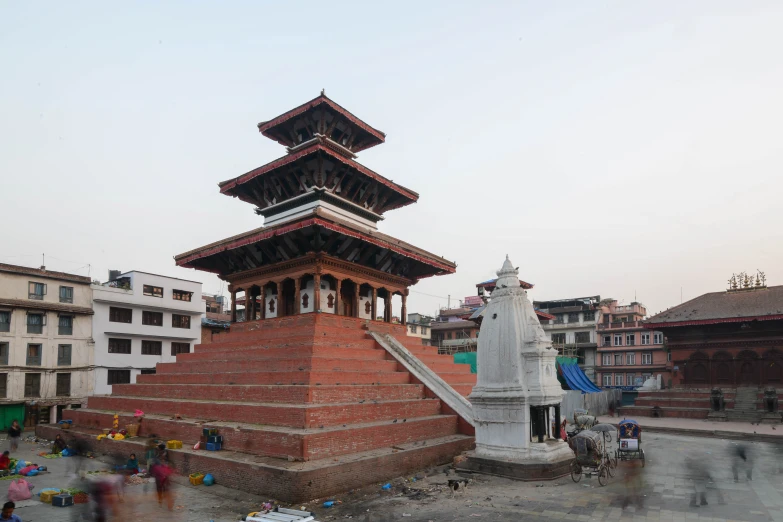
{"type": "Point", "coordinates": [646, 411]}
{"type": "Point", "coordinates": [292, 341]}
{"type": "Point", "coordinates": [448, 367]}
{"type": "Point", "coordinates": [301, 444]}
{"type": "Point", "coordinates": [278, 378]}
{"type": "Point", "coordinates": [292, 415]}
{"type": "Point", "coordinates": [675, 394]}
{"type": "Point", "coordinates": [660, 402]}
{"type": "Point", "coordinates": [266, 393]}
{"type": "Point", "coordinates": [463, 389]}
{"type": "Point", "coordinates": [293, 481]}
{"type": "Point", "coordinates": [262, 334]}
{"type": "Point", "coordinates": [285, 353]}
{"type": "Point", "coordinates": [458, 378]}
{"type": "Point", "coordinates": [279, 365]}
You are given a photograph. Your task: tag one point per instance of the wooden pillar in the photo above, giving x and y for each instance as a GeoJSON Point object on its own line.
{"type": "Point", "coordinates": [557, 422]}
{"type": "Point", "coordinates": [404, 312]}
{"type": "Point", "coordinates": [316, 292]}
{"type": "Point", "coordinates": [387, 307]}
{"type": "Point", "coordinates": [541, 423]}
{"type": "Point", "coordinates": [298, 296]}
{"type": "Point", "coordinates": [356, 298]}
{"type": "Point", "coordinates": [338, 297]}
{"type": "Point", "coordinates": [251, 304]}
{"type": "Point", "coordinates": [374, 303]}
{"type": "Point", "coordinates": [263, 301]}
{"type": "Point", "coordinates": [233, 306]}
{"type": "Point", "coordinates": [280, 299]}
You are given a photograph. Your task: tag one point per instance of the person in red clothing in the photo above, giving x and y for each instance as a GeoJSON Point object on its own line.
{"type": "Point", "coordinates": [5, 461]}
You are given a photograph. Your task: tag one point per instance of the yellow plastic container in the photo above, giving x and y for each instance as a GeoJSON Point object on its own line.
{"type": "Point", "coordinates": [196, 478]}
{"type": "Point", "coordinates": [174, 444]}
{"type": "Point", "coordinates": [46, 496]}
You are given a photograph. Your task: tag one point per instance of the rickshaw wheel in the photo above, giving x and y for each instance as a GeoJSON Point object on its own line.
{"type": "Point", "coordinates": [641, 452]}
{"type": "Point", "coordinates": [576, 471]}
{"type": "Point", "coordinates": [603, 475]}
{"type": "Point", "coordinates": [609, 467]}
{"type": "Point", "coordinates": [613, 460]}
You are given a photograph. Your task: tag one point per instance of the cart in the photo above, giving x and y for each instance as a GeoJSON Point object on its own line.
{"type": "Point", "coordinates": [588, 447]}
{"type": "Point", "coordinates": [629, 441]}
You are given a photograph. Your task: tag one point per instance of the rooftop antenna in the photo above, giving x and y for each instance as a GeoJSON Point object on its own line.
{"type": "Point", "coordinates": [43, 261]}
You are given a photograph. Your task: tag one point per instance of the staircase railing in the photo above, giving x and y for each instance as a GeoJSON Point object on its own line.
{"type": "Point", "coordinates": [426, 376]}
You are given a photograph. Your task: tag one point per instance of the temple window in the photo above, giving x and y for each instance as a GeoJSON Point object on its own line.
{"type": "Point", "coordinates": [305, 301]}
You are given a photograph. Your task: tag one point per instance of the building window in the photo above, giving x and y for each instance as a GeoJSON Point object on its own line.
{"type": "Point", "coordinates": [118, 377]}
{"type": "Point", "coordinates": [559, 318]}
{"type": "Point", "coordinates": [151, 348]}
{"type": "Point", "coordinates": [462, 335]}
{"type": "Point", "coordinates": [646, 338]}
{"type": "Point", "coordinates": [177, 348]}
{"type": "Point", "coordinates": [36, 291]}
{"type": "Point", "coordinates": [3, 385]}
{"type": "Point", "coordinates": [646, 376]}
{"type": "Point", "coordinates": [35, 323]}
{"type": "Point", "coordinates": [618, 379]}
{"type": "Point", "coordinates": [152, 318]}
{"type": "Point", "coordinates": [63, 355]}
{"type": "Point", "coordinates": [33, 355]}
{"type": "Point", "coordinates": [424, 331]}
{"type": "Point", "coordinates": [668, 357]}
{"type": "Point", "coordinates": [32, 385]}
{"type": "Point", "coordinates": [4, 348]}
{"type": "Point", "coordinates": [657, 338]}
{"type": "Point", "coordinates": [607, 340]}
{"type": "Point", "coordinates": [148, 371]}
{"type": "Point", "coordinates": [607, 379]}
{"type": "Point", "coordinates": [630, 358]}
{"type": "Point", "coordinates": [448, 335]}
{"type": "Point", "coordinates": [630, 339]}
{"type": "Point", "coordinates": [618, 359]}
{"type": "Point", "coordinates": [63, 384]}
{"type": "Point", "coordinates": [65, 325]}
{"type": "Point", "coordinates": [5, 321]}
{"type": "Point", "coordinates": [181, 295]}
{"type": "Point", "coordinates": [119, 346]}
{"type": "Point", "coordinates": [180, 321]}
{"type": "Point", "coordinates": [582, 337]}
{"type": "Point", "coordinates": [66, 294]}
{"type": "Point", "coordinates": [618, 339]}
{"type": "Point", "coordinates": [588, 316]}
{"type": "Point", "coordinates": [630, 379]}
{"type": "Point", "coordinates": [413, 328]}
{"type": "Point", "coordinates": [573, 317]}
{"type": "Point", "coordinates": [646, 357]}
{"type": "Point", "coordinates": [558, 338]}
{"type": "Point", "coordinates": [606, 359]}
{"type": "Point", "coordinates": [154, 291]}
{"type": "Point", "coordinates": [120, 315]}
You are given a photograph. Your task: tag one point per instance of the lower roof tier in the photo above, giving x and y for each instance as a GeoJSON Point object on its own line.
{"type": "Point", "coordinates": [317, 232]}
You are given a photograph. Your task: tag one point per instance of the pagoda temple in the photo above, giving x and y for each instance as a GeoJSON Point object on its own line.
{"type": "Point", "coordinates": [320, 249]}
{"type": "Point", "coordinates": [314, 390]}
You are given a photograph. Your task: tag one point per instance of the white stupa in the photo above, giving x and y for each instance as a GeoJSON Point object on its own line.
{"type": "Point", "coordinates": [517, 397]}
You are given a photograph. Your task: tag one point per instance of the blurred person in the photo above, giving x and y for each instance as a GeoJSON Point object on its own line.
{"type": "Point", "coordinates": [632, 479]}
{"type": "Point", "coordinates": [14, 434]}
{"type": "Point", "coordinates": [741, 457]}
{"type": "Point", "coordinates": [161, 471]}
{"type": "Point", "coordinates": [132, 466]}
{"type": "Point", "coordinates": [8, 512]}
{"type": "Point", "coordinates": [162, 454]}
{"type": "Point", "coordinates": [101, 499]}
{"type": "Point", "coordinates": [150, 453]}
{"type": "Point", "coordinates": [5, 461]}
{"type": "Point", "coordinates": [79, 450]}
{"type": "Point", "coordinates": [700, 476]}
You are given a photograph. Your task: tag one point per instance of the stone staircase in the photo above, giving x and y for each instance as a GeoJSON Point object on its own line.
{"type": "Point", "coordinates": [745, 406]}
{"type": "Point", "coordinates": [308, 406]}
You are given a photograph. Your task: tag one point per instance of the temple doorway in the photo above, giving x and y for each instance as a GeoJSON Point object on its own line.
{"type": "Point", "coordinates": [289, 297]}
{"type": "Point", "coordinates": [348, 298]}
{"type": "Point", "coordinates": [746, 374]}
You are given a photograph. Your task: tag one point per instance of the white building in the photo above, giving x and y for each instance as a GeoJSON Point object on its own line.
{"type": "Point", "coordinates": [419, 326]}
{"type": "Point", "coordinates": [46, 347]}
{"type": "Point", "coordinates": [140, 320]}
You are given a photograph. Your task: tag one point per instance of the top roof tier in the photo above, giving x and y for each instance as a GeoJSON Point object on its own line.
{"type": "Point", "coordinates": [324, 117]}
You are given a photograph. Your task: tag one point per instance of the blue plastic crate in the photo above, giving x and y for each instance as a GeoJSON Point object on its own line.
{"type": "Point", "coordinates": [214, 446]}
{"type": "Point", "coordinates": [62, 500]}
{"type": "Point", "coordinates": [215, 438]}
{"type": "Point", "coordinates": [208, 432]}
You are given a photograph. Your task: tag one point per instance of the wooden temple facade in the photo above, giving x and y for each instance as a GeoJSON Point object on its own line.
{"type": "Point", "coordinates": [320, 250]}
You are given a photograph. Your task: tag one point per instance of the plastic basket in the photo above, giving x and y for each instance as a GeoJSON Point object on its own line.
{"type": "Point", "coordinates": [132, 429]}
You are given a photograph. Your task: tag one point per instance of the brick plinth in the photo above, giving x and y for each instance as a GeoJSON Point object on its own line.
{"type": "Point", "coordinates": [313, 390]}
{"type": "Point", "coordinates": [516, 470]}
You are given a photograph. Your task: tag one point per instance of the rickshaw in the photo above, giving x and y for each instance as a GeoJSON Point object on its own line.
{"type": "Point", "coordinates": [629, 441]}
{"type": "Point", "coordinates": [588, 447]}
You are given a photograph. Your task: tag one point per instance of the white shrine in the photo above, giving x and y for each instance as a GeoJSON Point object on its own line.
{"type": "Point", "coordinates": [516, 401]}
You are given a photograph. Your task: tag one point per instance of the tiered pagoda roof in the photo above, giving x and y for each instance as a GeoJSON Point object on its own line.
{"type": "Point", "coordinates": [317, 200]}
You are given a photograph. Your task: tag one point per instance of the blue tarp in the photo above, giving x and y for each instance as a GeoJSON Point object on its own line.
{"type": "Point", "coordinates": [574, 376]}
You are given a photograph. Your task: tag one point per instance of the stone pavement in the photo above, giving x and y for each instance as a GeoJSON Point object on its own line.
{"type": "Point", "coordinates": [696, 427]}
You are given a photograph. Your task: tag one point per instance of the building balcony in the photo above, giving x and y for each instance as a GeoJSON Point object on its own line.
{"type": "Point", "coordinates": [620, 325]}
{"type": "Point", "coordinates": [558, 326]}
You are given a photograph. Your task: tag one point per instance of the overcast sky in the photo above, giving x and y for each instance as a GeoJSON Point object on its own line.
{"type": "Point", "coordinates": [615, 148]}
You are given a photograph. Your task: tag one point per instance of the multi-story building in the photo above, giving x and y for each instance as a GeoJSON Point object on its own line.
{"type": "Point", "coordinates": [420, 326]}
{"type": "Point", "coordinates": [573, 330]}
{"type": "Point", "coordinates": [46, 347]}
{"type": "Point", "coordinates": [628, 353]}
{"type": "Point", "coordinates": [140, 320]}
{"type": "Point", "coordinates": [217, 319]}
{"type": "Point", "coordinates": [453, 332]}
